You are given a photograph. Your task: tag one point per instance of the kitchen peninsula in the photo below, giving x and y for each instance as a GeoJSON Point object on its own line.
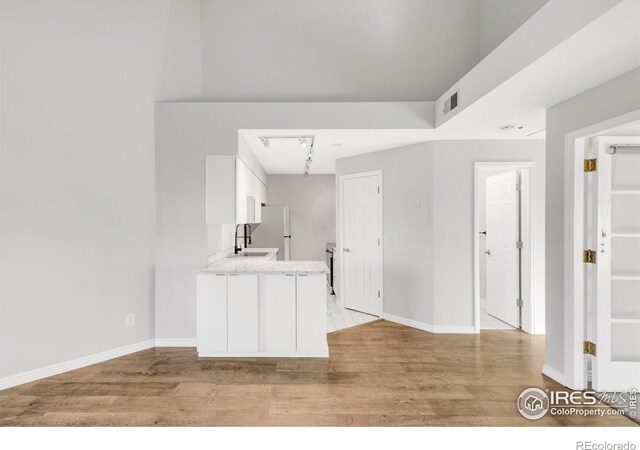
{"type": "Point", "coordinates": [250, 305]}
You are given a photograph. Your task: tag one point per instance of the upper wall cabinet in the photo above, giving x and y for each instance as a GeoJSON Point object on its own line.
{"type": "Point", "coordinates": [234, 194]}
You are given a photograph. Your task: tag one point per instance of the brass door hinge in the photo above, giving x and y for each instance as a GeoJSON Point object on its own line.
{"type": "Point", "coordinates": [589, 256]}
{"type": "Point", "coordinates": [590, 165]}
{"type": "Point", "coordinates": [589, 348]}
{"type": "Point", "coordinates": [519, 245]}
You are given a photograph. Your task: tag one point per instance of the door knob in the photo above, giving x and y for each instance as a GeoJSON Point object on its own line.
{"type": "Point", "coordinates": [346, 250]}
{"type": "Point", "coordinates": [488, 252]}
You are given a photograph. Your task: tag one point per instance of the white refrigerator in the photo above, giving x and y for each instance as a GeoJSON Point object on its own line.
{"type": "Point", "coordinates": [273, 231]}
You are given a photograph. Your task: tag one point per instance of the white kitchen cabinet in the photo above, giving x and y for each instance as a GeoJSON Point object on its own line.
{"type": "Point", "coordinates": [311, 293]}
{"type": "Point", "coordinates": [234, 194]}
{"type": "Point", "coordinates": [262, 315]}
{"type": "Point", "coordinates": [242, 313]}
{"type": "Point", "coordinates": [278, 303]}
{"type": "Point", "coordinates": [212, 313]}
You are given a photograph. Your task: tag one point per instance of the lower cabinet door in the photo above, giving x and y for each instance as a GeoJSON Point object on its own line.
{"type": "Point", "coordinates": [212, 313]}
{"type": "Point", "coordinates": [278, 301]}
{"type": "Point", "coordinates": [243, 313]}
{"type": "Point", "coordinates": [311, 313]}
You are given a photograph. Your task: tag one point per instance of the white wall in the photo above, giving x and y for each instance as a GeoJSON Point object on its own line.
{"type": "Point", "coordinates": [552, 25]}
{"type": "Point", "coordinates": [408, 244]}
{"type": "Point", "coordinates": [453, 225]}
{"type": "Point", "coordinates": [336, 50]}
{"type": "Point", "coordinates": [185, 134]}
{"type": "Point", "coordinates": [500, 18]}
{"type": "Point", "coordinates": [312, 211]}
{"type": "Point", "coordinates": [614, 98]}
{"type": "Point", "coordinates": [78, 82]}
{"type": "Point", "coordinates": [428, 267]}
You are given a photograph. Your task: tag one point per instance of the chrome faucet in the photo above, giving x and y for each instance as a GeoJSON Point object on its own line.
{"type": "Point", "coordinates": [247, 238]}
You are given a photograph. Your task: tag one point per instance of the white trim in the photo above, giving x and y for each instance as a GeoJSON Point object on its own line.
{"type": "Point", "coordinates": [56, 369]}
{"type": "Point", "coordinates": [409, 322]}
{"type": "Point", "coordinates": [181, 342]}
{"type": "Point", "coordinates": [554, 374]}
{"type": "Point", "coordinates": [443, 329]}
{"type": "Point", "coordinates": [529, 324]}
{"type": "Point", "coordinates": [323, 354]}
{"type": "Point", "coordinates": [340, 224]}
{"type": "Point", "coordinates": [574, 333]}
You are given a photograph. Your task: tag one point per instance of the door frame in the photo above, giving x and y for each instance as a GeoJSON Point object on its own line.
{"type": "Point", "coordinates": [527, 235]}
{"type": "Point", "coordinates": [339, 243]}
{"type": "Point", "coordinates": [575, 145]}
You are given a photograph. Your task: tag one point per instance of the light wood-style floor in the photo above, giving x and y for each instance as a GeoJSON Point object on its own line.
{"type": "Point", "coordinates": [379, 373]}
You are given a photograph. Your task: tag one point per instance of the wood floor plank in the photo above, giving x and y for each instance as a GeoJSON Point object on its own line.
{"type": "Point", "coordinates": [378, 374]}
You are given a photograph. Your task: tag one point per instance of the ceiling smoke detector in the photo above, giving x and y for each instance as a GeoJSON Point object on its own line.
{"type": "Point", "coordinates": [510, 127]}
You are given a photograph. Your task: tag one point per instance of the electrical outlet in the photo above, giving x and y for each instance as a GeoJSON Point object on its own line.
{"type": "Point", "coordinates": [129, 320]}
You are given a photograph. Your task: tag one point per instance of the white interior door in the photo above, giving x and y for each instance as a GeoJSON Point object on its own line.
{"type": "Point", "coordinates": [361, 243]}
{"type": "Point", "coordinates": [616, 366]}
{"type": "Point", "coordinates": [501, 250]}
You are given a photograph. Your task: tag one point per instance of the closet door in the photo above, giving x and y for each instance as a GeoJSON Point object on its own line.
{"type": "Point", "coordinates": [617, 307]}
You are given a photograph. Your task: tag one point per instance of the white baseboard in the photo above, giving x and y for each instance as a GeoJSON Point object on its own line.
{"type": "Point", "coordinates": [554, 374]}
{"type": "Point", "coordinates": [180, 342]}
{"type": "Point", "coordinates": [205, 354]}
{"type": "Point", "coordinates": [56, 369]}
{"type": "Point", "coordinates": [78, 363]}
{"type": "Point", "coordinates": [445, 329]}
{"type": "Point", "coordinates": [409, 322]}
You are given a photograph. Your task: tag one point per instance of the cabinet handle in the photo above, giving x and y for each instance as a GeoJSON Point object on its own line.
{"type": "Point", "coordinates": [221, 274]}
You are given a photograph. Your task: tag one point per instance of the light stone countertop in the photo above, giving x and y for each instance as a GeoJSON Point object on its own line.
{"type": "Point", "coordinates": [263, 265]}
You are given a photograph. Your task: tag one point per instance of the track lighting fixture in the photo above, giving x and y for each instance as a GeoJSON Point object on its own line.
{"type": "Point", "coordinates": [306, 142]}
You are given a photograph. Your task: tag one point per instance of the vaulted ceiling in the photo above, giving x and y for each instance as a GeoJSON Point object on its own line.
{"type": "Point", "coordinates": [348, 50]}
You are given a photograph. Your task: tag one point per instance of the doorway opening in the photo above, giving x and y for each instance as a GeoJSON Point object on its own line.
{"type": "Point", "coordinates": [503, 246]}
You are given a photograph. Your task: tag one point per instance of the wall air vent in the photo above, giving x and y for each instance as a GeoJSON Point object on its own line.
{"type": "Point", "coordinates": [451, 103]}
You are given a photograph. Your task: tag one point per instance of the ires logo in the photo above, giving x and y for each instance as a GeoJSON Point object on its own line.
{"type": "Point", "coordinates": [574, 398]}
{"type": "Point", "coordinates": [534, 403]}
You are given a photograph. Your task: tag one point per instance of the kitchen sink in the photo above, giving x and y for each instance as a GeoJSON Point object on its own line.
{"type": "Point", "coordinates": [249, 255]}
